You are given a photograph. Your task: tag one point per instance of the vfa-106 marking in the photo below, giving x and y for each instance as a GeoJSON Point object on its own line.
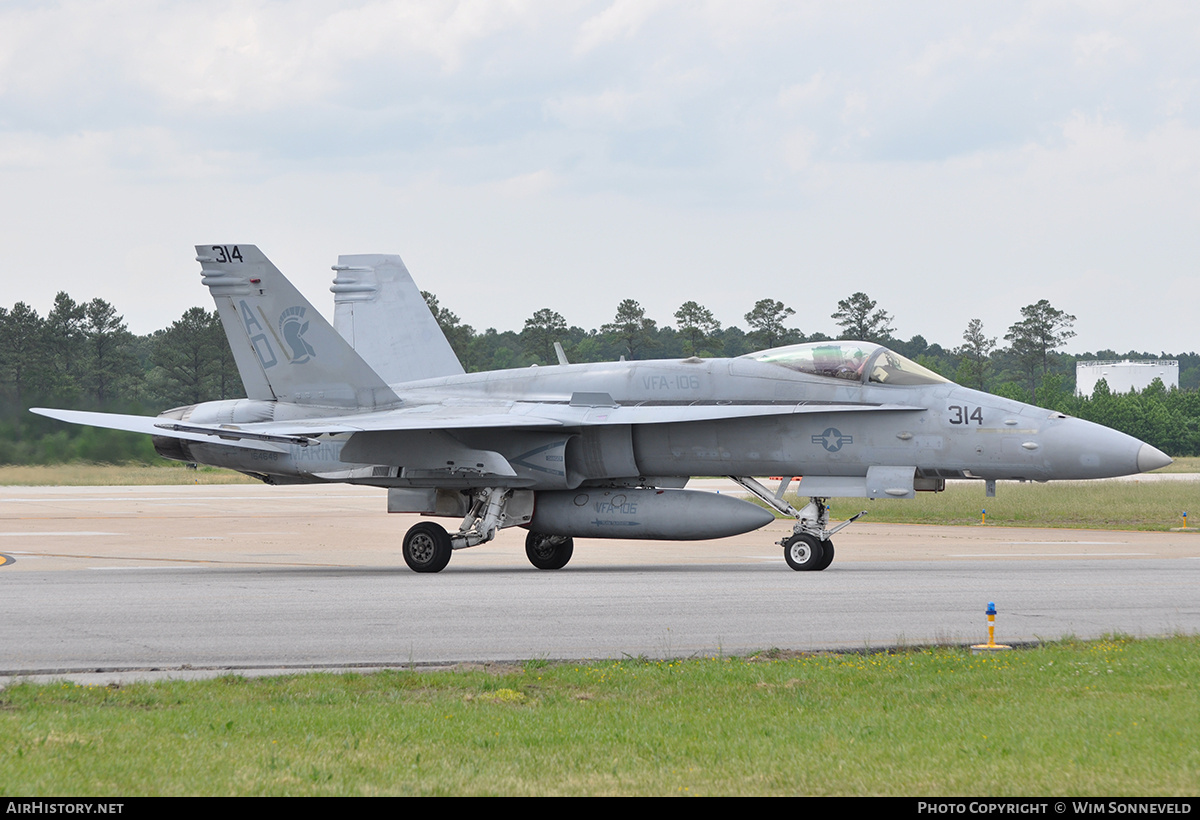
{"type": "Point", "coordinates": [588, 450]}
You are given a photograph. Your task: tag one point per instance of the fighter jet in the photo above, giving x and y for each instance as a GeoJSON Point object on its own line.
{"type": "Point", "coordinates": [588, 450]}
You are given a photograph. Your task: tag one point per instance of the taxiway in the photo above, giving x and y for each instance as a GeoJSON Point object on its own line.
{"type": "Point", "coordinates": [240, 577]}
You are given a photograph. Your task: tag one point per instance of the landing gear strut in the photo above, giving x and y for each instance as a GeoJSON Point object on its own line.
{"type": "Point", "coordinates": [427, 546]}
{"type": "Point", "coordinates": [808, 548]}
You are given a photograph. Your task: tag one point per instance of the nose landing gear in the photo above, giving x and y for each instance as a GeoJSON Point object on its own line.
{"type": "Point", "coordinates": [808, 548]}
{"type": "Point", "coordinates": [805, 553]}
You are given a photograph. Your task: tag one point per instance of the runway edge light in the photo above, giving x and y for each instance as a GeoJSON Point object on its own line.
{"type": "Point", "coordinates": [991, 645]}
{"type": "Point", "coordinates": [1185, 527]}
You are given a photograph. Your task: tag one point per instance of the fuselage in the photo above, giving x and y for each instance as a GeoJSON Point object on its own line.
{"type": "Point", "coordinates": [878, 416]}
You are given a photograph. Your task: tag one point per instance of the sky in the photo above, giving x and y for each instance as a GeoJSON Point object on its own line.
{"type": "Point", "coordinates": [952, 160]}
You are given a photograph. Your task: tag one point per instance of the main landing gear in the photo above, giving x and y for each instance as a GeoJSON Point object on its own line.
{"type": "Point", "coordinates": [549, 551]}
{"type": "Point", "coordinates": [428, 547]}
{"type": "Point", "coordinates": [808, 548]}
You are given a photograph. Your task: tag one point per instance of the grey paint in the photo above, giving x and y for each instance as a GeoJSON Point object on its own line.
{"type": "Point", "coordinates": [868, 424]}
{"type": "Point", "coordinates": [380, 312]}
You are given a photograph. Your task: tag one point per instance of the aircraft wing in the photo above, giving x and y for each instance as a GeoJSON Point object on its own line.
{"type": "Point", "coordinates": [596, 411]}
{"type": "Point", "coordinates": [522, 415]}
{"type": "Point", "coordinates": [590, 410]}
{"type": "Point", "coordinates": [270, 435]}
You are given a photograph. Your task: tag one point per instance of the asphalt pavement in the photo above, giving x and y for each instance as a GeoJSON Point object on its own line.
{"type": "Point", "coordinates": [198, 580]}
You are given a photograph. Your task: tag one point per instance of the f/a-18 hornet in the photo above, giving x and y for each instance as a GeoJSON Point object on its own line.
{"type": "Point", "coordinates": [588, 450]}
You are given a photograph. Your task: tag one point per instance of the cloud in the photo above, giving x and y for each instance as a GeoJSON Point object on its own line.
{"type": "Point", "coordinates": [1096, 48]}
{"type": "Point", "coordinates": [621, 20]}
{"type": "Point", "coordinates": [863, 143]}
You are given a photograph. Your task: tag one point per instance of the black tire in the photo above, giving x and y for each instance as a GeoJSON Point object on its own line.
{"type": "Point", "coordinates": [827, 555]}
{"type": "Point", "coordinates": [548, 551]}
{"type": "Point", "coordinates": [803, 553]}
{"type": "Point", "coordinates": [427, 547]}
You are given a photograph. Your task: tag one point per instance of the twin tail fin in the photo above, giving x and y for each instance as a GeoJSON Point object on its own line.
{"type": "Point", "coordinates": [284, 348]}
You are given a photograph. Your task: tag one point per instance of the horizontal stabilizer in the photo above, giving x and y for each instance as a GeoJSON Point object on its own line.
{"type": "Point", "coordinates": [231, 433]}
{"type": "Point", "coordinates": [154, 426]}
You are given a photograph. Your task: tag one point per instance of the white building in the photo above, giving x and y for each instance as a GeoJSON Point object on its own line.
{"type": "Point", "coordinates": [1125, 376]}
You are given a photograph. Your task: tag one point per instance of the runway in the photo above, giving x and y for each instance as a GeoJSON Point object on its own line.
{"type": "Point", "coordinates": [246, 577]}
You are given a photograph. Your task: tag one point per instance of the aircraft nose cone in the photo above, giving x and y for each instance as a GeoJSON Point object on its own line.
{"type": "Point", "coordinates": [1151, 458]}
{"type": "Point", "coordinates": [1077, 449]}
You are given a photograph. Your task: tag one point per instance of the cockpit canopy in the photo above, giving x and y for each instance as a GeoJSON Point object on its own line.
{"type": "Point", "coordinates": [853, 361]}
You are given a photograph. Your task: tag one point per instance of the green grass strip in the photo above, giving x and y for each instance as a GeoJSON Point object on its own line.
{"type": "Point", "coordinates": [1123, 505]}
{"type": "Point", "coordinates": [81, 474]}
{"type": "Point", "coordinates": [1101, 505]}
{"type": "Point", "coordinates": [1105, 718]}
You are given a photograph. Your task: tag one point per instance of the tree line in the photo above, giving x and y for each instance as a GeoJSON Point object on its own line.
{"type": "Point", "coordinates": [82, 356]}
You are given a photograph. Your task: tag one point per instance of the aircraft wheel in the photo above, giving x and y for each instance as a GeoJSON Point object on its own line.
{"type": "Point", "coordinates": [427, 547]}
{"type": "Point", "coordinates": [548, 551]}
{"type": "Point", "coordinates": [803, 553]}
{"type": "Point", "coordinates": [826, 555]}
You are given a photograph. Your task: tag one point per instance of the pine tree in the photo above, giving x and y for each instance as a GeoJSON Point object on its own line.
{"type": "Point", "coordinates": [766, 324]}
{"type": "Point", "coordinates": [860, 321]}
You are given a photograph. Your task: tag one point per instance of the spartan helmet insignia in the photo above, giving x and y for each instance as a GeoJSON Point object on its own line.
{"type": "Point", "coordinates": [292, 326]}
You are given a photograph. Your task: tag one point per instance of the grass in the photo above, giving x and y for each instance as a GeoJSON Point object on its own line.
{"type": "Point", "coordinates": [1105, 718]}
{"type": "Point", "coordinates": [1108, 505]}
{"type": "Point", "coordinates": [80, 474]}
{"type": "Point", "coordinates": [1182, 464]}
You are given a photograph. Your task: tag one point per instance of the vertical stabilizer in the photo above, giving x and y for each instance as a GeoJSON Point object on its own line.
{"type": "Point", "coordinates": [381, 313]}
{"type": "Point", "coordinates": [284, 348]}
